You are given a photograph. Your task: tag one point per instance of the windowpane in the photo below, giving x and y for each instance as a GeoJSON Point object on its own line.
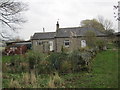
{"type": "Point", "coordinates": [66, 43]}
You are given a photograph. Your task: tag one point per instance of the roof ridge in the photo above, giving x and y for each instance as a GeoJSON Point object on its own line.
{"type": "Point", "coordinates": [70, 27]}
{"type": "Point", "coordinates": [44, 32]}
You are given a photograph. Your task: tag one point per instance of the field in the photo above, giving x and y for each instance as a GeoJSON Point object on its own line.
{"type": "Point", "coordinates": [104, 74]}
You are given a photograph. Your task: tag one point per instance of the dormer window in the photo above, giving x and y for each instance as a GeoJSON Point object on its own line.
{"type": "Point", "coordinates": [67, 43]}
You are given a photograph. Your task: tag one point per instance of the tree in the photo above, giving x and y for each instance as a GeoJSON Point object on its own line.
{"type": "Point", "coordinates": [92, 23]}
{"type": "Point", "coordinates": [100, 23]}
{"type": "Point", "coordinates": [107, 24]}
{"type": "Point", "coordinates": [11, 15]}
{"type": "Point", "coordinates": [93, 41]}
{"type": "Point", "coordinates": [90, 38]}
{"type": "Point", "coordinates": [17, 39]}
{"type": "Point", "coordinates": [116, 9]}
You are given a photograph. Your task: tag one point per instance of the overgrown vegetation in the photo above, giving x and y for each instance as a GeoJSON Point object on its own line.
{"type": "Point", "coordinates": [80, 68]}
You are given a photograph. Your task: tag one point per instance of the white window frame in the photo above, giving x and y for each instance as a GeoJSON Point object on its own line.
{"type": "Point", "coordinates": [66, 41]}
{"type": "Point", "coordinates": [51, 45]}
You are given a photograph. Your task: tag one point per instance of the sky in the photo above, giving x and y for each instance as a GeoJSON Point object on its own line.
{"type": "Point", "coordinates": [45, 14]}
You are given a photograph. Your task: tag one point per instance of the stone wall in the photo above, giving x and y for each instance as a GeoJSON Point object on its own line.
{"type": "Point", "coordinates": [58, 44]}
{"type": "Point", "coordinates": [42, 45]}
{"type": "Point", "coordinates": [75, 43]}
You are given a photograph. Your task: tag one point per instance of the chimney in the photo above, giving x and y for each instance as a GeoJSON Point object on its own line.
{"type": "Point", "coordinates": [57, 26]}
{"type": "Point", "coordinates": [43, 29]}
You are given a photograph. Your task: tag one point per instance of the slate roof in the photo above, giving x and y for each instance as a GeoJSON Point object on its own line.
{"type": "Point", "coordinates": [76, 31]}
{"type": "Point", "coordinates": [66, 32]}
{"type": "Point", "coordinates": [44, 35]}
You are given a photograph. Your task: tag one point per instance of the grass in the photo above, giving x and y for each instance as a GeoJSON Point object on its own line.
{"type": "Point", "coordinates": [103, 75]}
{"type": "Point", "coordinates": [8, 58]}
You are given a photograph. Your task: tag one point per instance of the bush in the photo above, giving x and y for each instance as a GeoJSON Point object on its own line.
{"type": "Point", "coordinates": [34, 59]}
{"type": "Point", "coordinates": [66, 67]}
{"type": "Point", "coordinates": [46, 64]}
{"type": "Point", "coordinates": [76, 60]}
{"type": "Point", "coordinates": [43, 67]}
{"type": "Point", "coordinates": [38, 62]}
{"type": "Point", "coordinates": [56, 59]}
{"type": "Point", "coordinates": [101, 44]}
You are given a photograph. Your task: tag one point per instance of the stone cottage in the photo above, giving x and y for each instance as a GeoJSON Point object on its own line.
{"type": "Point", "coordinates": [69, 38]}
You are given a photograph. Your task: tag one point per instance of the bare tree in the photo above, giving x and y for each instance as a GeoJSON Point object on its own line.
{"type": "Point", "coordinates": [116, 9]}
{"type": "Point", "coordinates": [105, 22]}
{"type": "Point", "coordinates": [11, 14]}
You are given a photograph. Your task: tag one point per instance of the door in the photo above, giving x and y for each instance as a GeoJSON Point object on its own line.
{"type": "Point", "coordinates": [83, 43]}
{"type": "Point", "coordinates": [51, 45]}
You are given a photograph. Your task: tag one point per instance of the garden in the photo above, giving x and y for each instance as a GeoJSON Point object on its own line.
{"type": "Point", "coordinates": [83, 68]}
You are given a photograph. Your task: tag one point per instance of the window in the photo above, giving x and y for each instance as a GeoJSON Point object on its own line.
{"type": "Point", "coordinates": [83, 43]}
{"type": "Point", "coordinates": [66, 43]}
{"type": "Point", "coordinates": [39, 42]}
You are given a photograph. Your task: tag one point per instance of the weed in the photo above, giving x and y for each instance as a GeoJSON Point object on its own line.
{"type": "Point", "coordinates": [14, 84]}
{"type": "Point", "coordinates": [26, 78]}
{"type": "Point", "coordinates": [33, 78]}
{"type": "Point", "coordinates": [55, 81]}
{"type": "Point", "coordinates": [51, 83]}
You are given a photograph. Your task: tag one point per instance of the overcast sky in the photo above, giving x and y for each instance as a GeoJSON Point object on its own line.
{"type": "Point", "coordinates": [45, 13]}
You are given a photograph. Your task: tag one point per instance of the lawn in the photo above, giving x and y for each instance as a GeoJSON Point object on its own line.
{"type": "Point", "coordinates": [104, 74]}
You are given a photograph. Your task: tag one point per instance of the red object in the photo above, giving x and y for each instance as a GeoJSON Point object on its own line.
{"type": "Point", "coordinates": [15, 49]}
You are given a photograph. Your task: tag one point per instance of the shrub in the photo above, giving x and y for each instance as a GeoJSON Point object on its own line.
{"type": "Point", "coordinates": [64, 49]}
{"type": "Point", "coordinates": [101, 44]}
{"type": "Point", "coordinates": [55, 60]}
{"type": "Point", "coordinates": [43, 67]}
{"type": "Point", "coordinates": [66, 67]}
{"type": "Point", "coordinates": [76, 59]}
{"type": "Point", "coordinates": [24, 67]}
{"type": "Point", "coordinates": [35, 59]}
